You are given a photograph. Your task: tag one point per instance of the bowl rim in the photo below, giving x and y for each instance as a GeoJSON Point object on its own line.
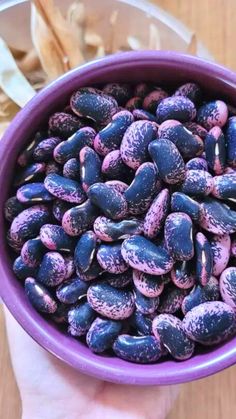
{"type": "Point", "coordinates": [94, 365]}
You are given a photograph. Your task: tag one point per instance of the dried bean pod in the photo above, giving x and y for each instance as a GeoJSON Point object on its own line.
{"type": "Point", "coordinates": [27, 224]}
{"type": "Point", "coordinates": [220, 247]}
{"type": "Point", "coordinates": [212, 114]}
{"type": "Point", "coordinates": [85, 251]}
{"type": "Point", "coordinates": [102, 334]}
{"type": "Point", "coordinates": [215, 150]}
{"type": "Point", "coordinates": [63, 188]}
{"type": "Point", "coordinates": [138, 197]}
{"type": "Point", "coordinates": [140, 349]}
{"type": "Point", "coordinates": [224, 187]}
{"type": "Point", "coordinates": [152, 100]}
{"type": "Point", "coordinates": [134, 146]}
{"type": "Point", "coordinates": [32, 193]}
{"type": "Point", "coordinates": [111, 302]}
{"type": "Point", "coordinates": [39, 296]}
{"type": "Point", "coordinates": [120, 91]}
{"type": "Point", "coordinates": [141, 323]}
{"type": "Point", "coordinates": [12, 208]}
{"type": "Point", "coordinates": [64, 124]}
{"type": "Point", "coordinates": [110, 137]}
{"type": "Point", "coordinates": [118, 185]}
{"type": "Point", "coordinates": [190, 90]}
{"type": "Point", "coordinates": [118, 280]}
{"type": "Point", "coordinates": [91, 103]}
{"type": "Point", "coordinates": [156, 214]}
{"type": "Point", "coordinates": [133, 103]}
{"type": "Point", "coordinates": [32, 173]}
{"type": "Point", "coordinates": [197, 182]}
{"type": "Point", "coordinates": [26, 155]}
{"type": "Point", "coordinates": [188, 144]}
{"type": "Point", "coordinates": [32, 252]}
{"type": "Point", "coordinates": [178, 236]}
{"type": "Point", "coordinates": [183, 203]}
{"type": "Point", "coordinates": [141, 114]}
{"type": "Point", "coordinates": [196, 129]}
{"type": "Point", "coordinates": [44, 150]}
{"type": "Point", "coordinates": [171, 299]}
{"type": "Point", "coordinates": [168, 160]}
{"type": "Point", "coordinates": [149, 285]}
{"type": "Point", "coordinates": [52, 270]}
{"type": "Point", "coordinates": [168, 329]}
{"type": "Point", "coordinates": [110, 258]}
{"type": "Point", "coordinates": [90, 167]}
{"type": "Point", "coordinates": [114, 168]}
{"type": "Point", "coordinates": [199, 295]}
{"type": "Point", "coordinates": [70, 148]}
{"type": "Point", "coordinates": [69, 292]}
{"type": "Point", "coordinates": [80, 218]}
{"type": "Point", "coordinates": [71, 169]}
{"type": "Point", "coordinates": [145, 305]}
{"type": "Point", "coordinates": [54, 238]}
{"type": "Point", "coordinates": [80, 319]}
{"type": "Point", "coordinates": [110, 201]}
{"type": "Point", "coordinates": [210, 323]}
{"type": "Point", "coordinates": [59, 208]}
{"type": "Point", "coordinates": [228, 286]}
{"type": "Point", "coordinates": [204, 259]}
{"type": "Point", "coordinates": [216, 217]}
{"type": "Point", "coordinates": [176, 107]}
{"type": "Point", "coordinates": [197, 163]}
{"type": "Point", "coordinates": [23, 271]}
{"type": "Point", "coordinates": [182, 275]}
{"type": "Point", "coordinates": [230, 138]}
{"type": "Point", "coordinates": [109, 230]}
{"type": "Point", "coordinates": [145, 256]}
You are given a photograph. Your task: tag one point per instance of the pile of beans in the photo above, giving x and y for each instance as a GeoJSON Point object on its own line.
{"type": "Point", "coordinates": [122, 220]}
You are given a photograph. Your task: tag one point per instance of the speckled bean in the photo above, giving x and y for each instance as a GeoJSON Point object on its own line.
{"type": "Point", "coordinates": [220, 247]}
{"type": "Point", "coordinates": [197, 182]}
{"type": "Point", "coordinates": [102, 334]}
{"type": "Point", "coordinates": [32, 193]}
{"type": "Point", "coordinates": [204, 259]}
{"type": "Point", "coordinates": [183, 203]}
{"type": "Point", "coordinates": [217, 217]}
{"type": "Point", "coordinates": [168, 329]}
{"type": "Point", "coordinates": [156, 214]}
{"type": "Point", "coordinates": [200, 294]}
{"type": "Point", "coordinates": [110, 302]}
{"type": "Point", "coordinates": [44, 150]}
{"type": "Point", "coordinates": [149, 285]}
{"type": "Point", "coordinates": [80, 218]}
{"type": "Point", "coordinates": [85, 250]}
{"type": "Point", "coordinates": [110, 201]}
{"type": "Point", "coordinates": [176, 107]}
{"type": "Point", "coordinates": [52, 270]}
{"type": "Point", "coordinates": [109, 230]}
{"type": "Point", "coordinates": [182, 274]}
{"type": "Point", "coordinates": [215, 150]}
{"type": "Point", "coordinates": [23, 270]}
{"type": "Point", "coordinates": [228, 286]}
{"type": "Point", "coordinates": [71, 169]}
{"type": "Point", "coordinates": [110, 258]}
{"type": "Point", "coordinates": [171, 299]}
{"type": "Point", "coordinates": [63, 188]}
{"type": "Point", "coordinates": [178, 236]}
{"type": "Point", "coordinates": [190, 90]}
{"type": "Point", "coordinates": [210, 323]}
{"type": "Point", "coordinates": [140, 349]}
{"type": "Point", "coordinates": [80, 319]}
{"type": "Point", "coordinates": [197, 163]}
{"type": "Point", "coordinates": [31, 173]}
{"type": "Point", "coordinates": [39, 296]}
{"type": "Point", "coordinates": [54, 238]}
{"type": "Point", "coordinates": [32, 252]}
{"type": "Point", "coordinates": [230, 138]}
{"type": "Point", "coordinates": [69, 292]}
{"type": "Point", "coordinates": [70, 148]}
{"type": "Point", "coordinates": [64, 124]}
{"type": "Point", "coordinates": [153, 98]}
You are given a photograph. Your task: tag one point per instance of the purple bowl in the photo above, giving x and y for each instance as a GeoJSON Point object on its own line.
{"type": "Point", "coordinates": [159, 67]}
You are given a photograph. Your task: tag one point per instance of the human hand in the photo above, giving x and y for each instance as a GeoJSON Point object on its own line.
{"type": "Point", "coordinates": [50, 389]}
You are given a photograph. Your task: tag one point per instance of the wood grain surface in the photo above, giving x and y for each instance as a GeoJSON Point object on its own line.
{"type": "Point", "coordinates": [214, 22]}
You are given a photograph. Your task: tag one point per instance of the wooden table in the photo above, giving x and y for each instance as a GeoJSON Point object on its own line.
{"type": "Point", "coordinates": [214, 22]}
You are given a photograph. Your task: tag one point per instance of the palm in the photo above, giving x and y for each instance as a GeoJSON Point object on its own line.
{"type": "Point", "coordinates": [48, 385]}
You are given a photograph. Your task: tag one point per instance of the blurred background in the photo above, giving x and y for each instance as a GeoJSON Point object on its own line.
{"type": "Point", "coordinates": [200, 27]}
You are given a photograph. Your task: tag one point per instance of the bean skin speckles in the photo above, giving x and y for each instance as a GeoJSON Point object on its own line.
{"type": "Point", "coordinates": [204, 260]}
{"type": "Point", "coordinates": [176, 107]}
{"type": "Point", "coordinates": [228, 286]}
{"type": "Point", "coordinates": [141, 349]}
{"type": "Point", "coordinates": [212, 114]}
{"type": "Point", "coordinates": [39, 296]}
{"type": "Point", "coordinates": [157, 213]}
{"type": "Point", "coordinates": [178, 236]}
{"type": "Point", "coordinates": [110, 258]}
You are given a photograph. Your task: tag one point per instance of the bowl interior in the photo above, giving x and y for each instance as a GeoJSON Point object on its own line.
{"type": "Point", "coordinates": [162, 68]}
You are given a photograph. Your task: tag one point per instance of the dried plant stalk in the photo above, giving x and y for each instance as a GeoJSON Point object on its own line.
{"type": "Point", "coordinates": [30, 62]}
{"type": "Point", "coordinates": [192, 47]}
{"type": "Point", "coordinates": [3, 127]}
{"type": "Point", "coordinates": [62, 32]}
{"type": "Point", "coordinates": [76, 19]}
{"type": "Point", "coordinates": [12, 81]}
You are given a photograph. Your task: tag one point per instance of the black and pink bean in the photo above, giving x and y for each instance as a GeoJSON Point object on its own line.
{"type": "Point", "coordinates": [122, 217]}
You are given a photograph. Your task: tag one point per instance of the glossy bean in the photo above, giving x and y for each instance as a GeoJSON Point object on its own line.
{"type": "Point", "coordinates": [110, 258]}
{"type": "Point", "coordinates": [63, 124]}
{"type": "Point", "coordinates": [182, 274]}
{"type": "Point", "coordinates": [80, 218]}
{"type": "Point", "coordinates": [12, 208]}
{"type": "Point", "coordinates": [149, 285]}
{"type": "Point", "coordinates": [52, 270]}
{"type": "Point", "coordinates": [178, 236]}
{"type": "Point", "coordinates": [215, 150]}
{"type": "Point", "coordinates": [230, 138]}
{"type": "Point", "coordinates": [63, 188]}
{"type": "Point", "coordinates": [224, 187]}
{"type": "Point", "coordinates": [210, 323]}
{"type": "Point", "coordinates": [141, 323]}
{"type": "Point", "coordinates": [190, 90]}
{"type": "Point", "coordinates": [197, 182]}
{"type": "Point", "coordinates": [138, 197]}
{"type": "Point", "coordinates": [32, 173]}
{"type": "Point", "coordinates": [111, 202]}
{"type": "Point", "coordinates": [197, 163]}
{"type": "Point", "coordinates": [168, 160]}
{"type": "Point", "coordinates": [21, 270]}
{"type": "Point", "coordinates": [80, 319]}
{"type": "Point", "coordinates": [212, 114]}
{"type": "Point", "coordinates": [200, 294]}
{"type": "Point", "coordinates": [113, 167]}
{"type": "Point", "coordinates": [145, 256]}
{"type": "Point", "coordinates": [110, 302]}
{"type": "Point", "coordinates": [145, 305]}
{"type": "Point", "coordinates": [70, 148]}
{"type": "Point", "coordinates": [109, 230]}
{"type": "Point", "coordinates": [71, 169]}
{"type": "Point", "coordinates": [32, 252]}
{"type": "Point", "coordinates": [188, 144]}
{"type": "Point", "coordinates": [220, 247]}
{"type": "Point", "coordinates": [39, 296]}
{"type": "Point", "coordinates": [88, 102]}
{"type": "Point", "coordinates": [228, 286]}
{"type": "Point", "coordinates": [140, 349]}
{"type": "Point", "coordinates": [217, 217]}
{"type": "Point", "coordinates": [54, 238]}
{"type": "Point", "coordinates": [176, 107]}
{"type": "Point", "coordinates": [85, 251]}
{"type": "Point", "coordinates": [171, 299]}
{"type": "Point", "coordinates": [32, 193]}
{"type": "Point", "coordinates": [44, 150]}
{"type": "Point", "coordinates": [69, 292]}
{"type": "Point", "coordinates": [156, 214]}
{"type": "Point", "coordinates": [102, 334]}
{"type": "Point", "coordinates": [134, 145]}
{"type": "Point", "coordinates": [204, 259]}
{"type": "Point", "coordinates": [181, 202]}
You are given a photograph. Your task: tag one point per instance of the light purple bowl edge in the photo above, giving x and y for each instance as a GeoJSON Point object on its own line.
{"type": "Point", "coordinates": [64, 347]}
